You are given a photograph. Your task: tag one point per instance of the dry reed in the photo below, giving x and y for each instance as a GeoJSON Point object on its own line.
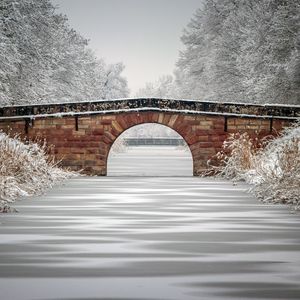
{"type": "Point", "coordinates": [25, 169]}
{"type": "Point", "coordinates": [272, 167]}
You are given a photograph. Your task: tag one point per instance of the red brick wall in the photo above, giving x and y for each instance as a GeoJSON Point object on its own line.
{"type": "Point", "coordinates": [88, 147]}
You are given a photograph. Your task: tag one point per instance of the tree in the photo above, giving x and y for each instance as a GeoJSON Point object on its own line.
{"type": "Point", "coordinates": [44, 60]}
{"type": "Point", "coordinates": [245, 51]}
{"type": "Point", "coordinates": [115, 86]}
{"type": "Point", "coordinates": [164, 87]}
{"type": "Point", "coordinates": [197, 67]}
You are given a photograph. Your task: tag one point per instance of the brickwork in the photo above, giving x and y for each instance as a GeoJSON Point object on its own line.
{"type": "Point", "coordinates": [83, 142]}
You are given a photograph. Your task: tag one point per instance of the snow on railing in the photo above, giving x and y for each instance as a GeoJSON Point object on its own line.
{"type": "Point", "coordinates": [150, 104]}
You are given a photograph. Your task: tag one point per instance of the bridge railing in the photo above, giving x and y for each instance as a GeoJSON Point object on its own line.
{"type": "Point", "coordinates": [154, 141]}
{"type": "Point", "coordinates": [149, 104]}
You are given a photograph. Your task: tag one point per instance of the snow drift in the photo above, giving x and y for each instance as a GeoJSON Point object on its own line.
{"type": "Point", "coordinates": [272, 166]}
{"type": "Point", "coordinates": [25, 169]}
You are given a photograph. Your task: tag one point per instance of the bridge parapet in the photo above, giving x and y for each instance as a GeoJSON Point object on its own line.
{"type": "Point", "coordinates": [150, 104]}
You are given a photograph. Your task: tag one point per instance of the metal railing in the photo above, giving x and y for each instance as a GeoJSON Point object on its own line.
{"type": "Point", "coordinates": [154, 141]}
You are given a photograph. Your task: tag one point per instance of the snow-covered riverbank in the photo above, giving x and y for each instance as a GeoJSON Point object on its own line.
{"type": "Point", "coordinates": [271, 165]}
{"type": "Point", "coordinates": [149, 238]}
{"type": "Point", "coordinates": [25, 170]}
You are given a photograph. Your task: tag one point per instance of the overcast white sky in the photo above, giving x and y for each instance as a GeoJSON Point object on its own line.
{"type": "Point", "coordinates": [143, 34]}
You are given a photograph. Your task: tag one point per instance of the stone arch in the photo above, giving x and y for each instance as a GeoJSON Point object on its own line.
{"type": "Point", "coordinates": [135, 125]}
{"type": "Point", "coordinates": [180, 123]}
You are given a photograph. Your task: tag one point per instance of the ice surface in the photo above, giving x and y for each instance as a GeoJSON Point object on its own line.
{"type": "Point", "coordinates": [149, 238]}
{"type": "Point", "coordinates": [151, 161]}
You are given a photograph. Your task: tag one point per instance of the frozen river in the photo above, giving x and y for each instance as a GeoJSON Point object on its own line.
{"type": "Point", "coordinates": [151, 161]}
{"type": "Point", "coordinates": [149, 238]}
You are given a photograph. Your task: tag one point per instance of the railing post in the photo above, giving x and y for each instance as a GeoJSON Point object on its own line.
{"type": "Point", "coordinates": [225, 123]}
{"type": "Point", "coordinates": [76, 123]}
{"type": "Point", "coordinates": [271, 124]}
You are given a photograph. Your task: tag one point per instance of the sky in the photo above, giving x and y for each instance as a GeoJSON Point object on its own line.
{"type": "Point", "coordinates": [143, 34]}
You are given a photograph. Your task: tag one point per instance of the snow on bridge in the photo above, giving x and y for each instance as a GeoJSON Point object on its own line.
{"type": "Point", "coordinates": [153, 104]}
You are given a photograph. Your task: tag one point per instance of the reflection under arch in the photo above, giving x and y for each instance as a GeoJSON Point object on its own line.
{"type": "Point", "coordinates": [150, 160]}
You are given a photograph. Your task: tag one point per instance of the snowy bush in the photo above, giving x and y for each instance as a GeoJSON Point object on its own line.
{"type": "Point", "coordinates": [236, 157]}
{"type": "Point", "coordinates": [25, 169]}
{"type": "Point", "coordinates": [277, 169]}
{"type": "Point", "coordinates": [273, 170]}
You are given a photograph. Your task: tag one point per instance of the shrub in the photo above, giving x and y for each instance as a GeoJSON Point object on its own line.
{"type": "Point", "coordinates": [277, 168]}
{"type": "Point", "coordinates": [272, 167]}
{"type": "Point", "coordinates": [235, 158]}
{"type": "Point", "coordinates": [25, 169]}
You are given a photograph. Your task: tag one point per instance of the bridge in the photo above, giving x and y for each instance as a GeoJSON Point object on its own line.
{"type": "Point", "coordinates": [82, 133]}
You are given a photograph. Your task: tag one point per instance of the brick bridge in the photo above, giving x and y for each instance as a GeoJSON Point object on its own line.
{"type": "Point", "coordinates": [83, 133]}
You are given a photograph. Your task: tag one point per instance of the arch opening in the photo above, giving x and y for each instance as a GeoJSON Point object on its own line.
{"type": "Point", "coordinates": [150, 149]}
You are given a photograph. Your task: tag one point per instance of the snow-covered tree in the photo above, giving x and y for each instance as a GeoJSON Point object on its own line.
{"type": "Point", "coordinates": [245, 51]}
{"type": "Point", "coordinates": [164, 87]}
{"type": "Point", "coordinates": [196, 65]}
{"type": "Point", "coordinates": [260, 40]}
{"type": "Point", "coordinates": [115, 86]}
{"type": "Point", "coordinates": [44, 60]}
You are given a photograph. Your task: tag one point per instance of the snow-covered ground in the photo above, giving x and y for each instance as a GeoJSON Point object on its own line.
{"type": "Point", "coordinates": [149, 238]}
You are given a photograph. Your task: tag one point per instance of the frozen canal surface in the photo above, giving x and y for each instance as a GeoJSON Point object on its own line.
{"type": "Point", "coordinates": [151, 161]}
{"type": "Point", "coordinates": [149, 238]}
